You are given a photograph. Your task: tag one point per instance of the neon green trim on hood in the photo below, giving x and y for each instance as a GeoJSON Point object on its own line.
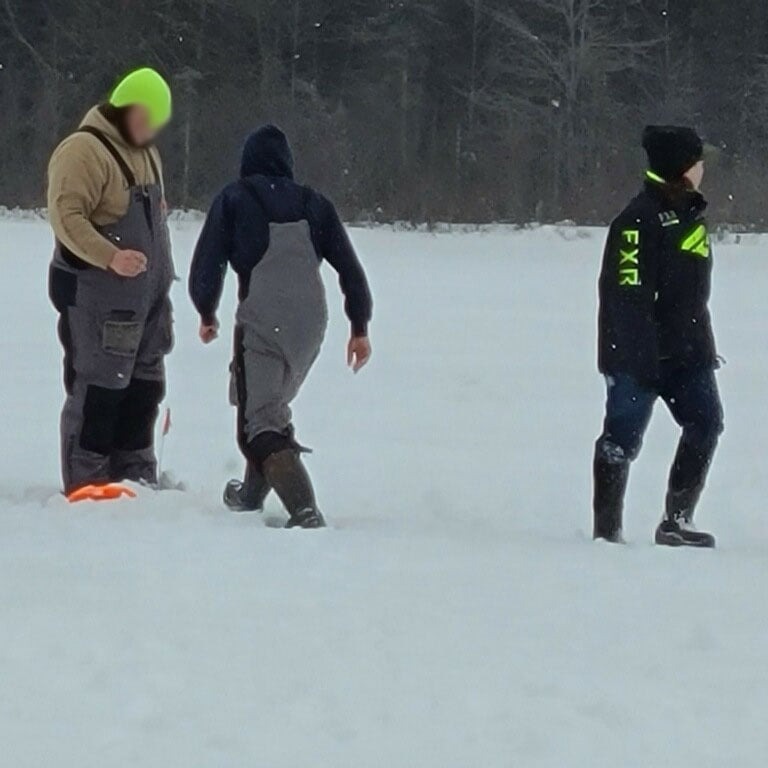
{"type": "Point", "coordinates": [651, 176]}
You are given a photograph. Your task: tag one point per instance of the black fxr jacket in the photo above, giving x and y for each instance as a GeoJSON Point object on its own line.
{"type": "Point", "coordinates": [655, 285]}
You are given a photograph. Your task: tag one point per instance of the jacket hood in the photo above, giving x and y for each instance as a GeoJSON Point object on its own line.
{"type": "Point", "coordinates": [267, 153]}
{"type": "Point", "coordinates": [95, 118]}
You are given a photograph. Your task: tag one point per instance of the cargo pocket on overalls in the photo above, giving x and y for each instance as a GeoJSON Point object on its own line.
{"type": "Point", "coordinates": [121, 336]}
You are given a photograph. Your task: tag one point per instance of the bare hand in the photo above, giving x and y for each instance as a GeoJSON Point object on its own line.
{"type": "Point", "coordinates": [209, 332]}
{"type": "Point", "coordinates": [128, 263]}
{"type": "Point", "coordinates": [358, 352]}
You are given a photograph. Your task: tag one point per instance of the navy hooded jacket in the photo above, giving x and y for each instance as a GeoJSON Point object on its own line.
{"type": "Point", "coordinates": [236, 231]}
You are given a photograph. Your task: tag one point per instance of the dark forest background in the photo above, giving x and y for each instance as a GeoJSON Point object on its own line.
{"type": "Point", "coordinates": [423, 110]}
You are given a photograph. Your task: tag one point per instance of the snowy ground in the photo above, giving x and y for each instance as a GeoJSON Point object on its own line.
{"type": "Point", "coordinates": [457, 614]}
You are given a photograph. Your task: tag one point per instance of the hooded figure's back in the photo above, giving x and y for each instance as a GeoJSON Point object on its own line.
{"type": "Point", "coordinates": [237, 229]}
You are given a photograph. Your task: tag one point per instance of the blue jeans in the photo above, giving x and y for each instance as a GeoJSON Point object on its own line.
{"type": "Point", "coordinates": [694, 402]}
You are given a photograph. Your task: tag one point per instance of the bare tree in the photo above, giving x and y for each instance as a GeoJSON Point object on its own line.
{"type": "Point", "coordinates": [441, 109]}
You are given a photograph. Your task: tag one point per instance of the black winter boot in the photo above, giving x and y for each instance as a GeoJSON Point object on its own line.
{"type": "Point", "coordinates": [249, 494]}
{"type": "Point", "coordinates": [139, 466]}
{"type": "Point", "coordinates": [610, 479]}
{"type": "Point", "coordinates": [677, 528]}
{"type": "Point", "coordinates": [679, 532]}
{"type": "Point", "coordinates": [286, 474]}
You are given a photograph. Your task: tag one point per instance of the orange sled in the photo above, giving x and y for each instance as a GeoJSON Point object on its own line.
{"type": "Point", "coordinates": [100, 493]}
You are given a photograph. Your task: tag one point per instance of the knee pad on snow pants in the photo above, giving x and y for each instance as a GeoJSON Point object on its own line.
{"type": "Point", "coordinates": [120, 419]}
{"type": "Point", "coordinates": [266, 444]}
{"type": "Point", "coordinates": [138, 414]}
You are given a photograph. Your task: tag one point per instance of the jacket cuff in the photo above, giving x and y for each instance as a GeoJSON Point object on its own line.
{"type": "Point", "coordinates": [102, 253]}
{"type": "Point", "coordinates": [359, 329]}
{"type": "Point", "coordinates": [208, 319]}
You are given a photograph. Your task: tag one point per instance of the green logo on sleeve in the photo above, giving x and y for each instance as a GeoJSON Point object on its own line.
{"type": "Point", "coordinates": [697, 242]}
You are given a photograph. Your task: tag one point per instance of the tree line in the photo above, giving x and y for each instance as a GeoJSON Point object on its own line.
{"type": "Point", "coordinates": [418, 110]}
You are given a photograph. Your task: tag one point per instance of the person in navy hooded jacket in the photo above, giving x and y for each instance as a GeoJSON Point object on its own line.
{"type": "Point", "coordinates": [274, 233]}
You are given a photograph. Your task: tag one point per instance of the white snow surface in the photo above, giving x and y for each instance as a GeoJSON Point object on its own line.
{"type": "Point", "coordinates": [456, 614]}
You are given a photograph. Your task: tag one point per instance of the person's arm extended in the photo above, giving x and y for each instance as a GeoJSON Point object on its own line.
{"type": "Point", "coordinates": [77, 174]}
{"type": "Point", "coordinates": [628, 295]}
{"type": "Point", "coordinates": [209, 264]}
{"type": "Point", "coordinates": [338, 251]}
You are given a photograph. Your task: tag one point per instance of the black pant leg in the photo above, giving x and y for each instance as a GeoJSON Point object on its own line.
{"type": "Point", "coordinates": [694, 401]}
{"type": "Point", "coordinates": [628, 411]}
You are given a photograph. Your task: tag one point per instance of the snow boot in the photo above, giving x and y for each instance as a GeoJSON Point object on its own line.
{"type": "Point", "coordinates": [679, 532]}
{"type": "Point", "coordinates": [306, 518]}
{"type": "Point", "coordinates": [610, 478]}
{"type": "Point", "coordinates": [249, 494]}
{"type": "Point", "coordinates": [677, 528]}
{"type": "Point", "coordinates": [286, 474]}
{"type": "Point", "coordinates": [140, 466]}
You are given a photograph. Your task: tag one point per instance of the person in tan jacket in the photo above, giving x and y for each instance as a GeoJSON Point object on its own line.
{"type": "Point", "coordinates": [110, 280]}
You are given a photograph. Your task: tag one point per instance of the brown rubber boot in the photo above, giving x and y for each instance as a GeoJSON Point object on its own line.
{"type": "Point", "coordinates": [287, 476]}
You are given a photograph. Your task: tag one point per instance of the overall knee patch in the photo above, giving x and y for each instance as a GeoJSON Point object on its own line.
{"type": "Point", "coordinates": [265, 444]}
{"type": "Point", "coordinates": [134, 428]}
{"type": "Point", "coordinates": [101, 411]}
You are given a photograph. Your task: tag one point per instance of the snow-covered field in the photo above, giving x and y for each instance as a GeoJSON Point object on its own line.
{"type": "Point", "coordinates": [457, 614]}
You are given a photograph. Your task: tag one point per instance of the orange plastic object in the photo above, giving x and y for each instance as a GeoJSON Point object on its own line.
{"type": "Point", "coordinates": [100, 493]}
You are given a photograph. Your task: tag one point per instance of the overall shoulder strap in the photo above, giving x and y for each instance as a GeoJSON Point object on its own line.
{"type": "Point", "coordinates": [110, 147]}
{"type": "Point", "coordinates": [155, 170]}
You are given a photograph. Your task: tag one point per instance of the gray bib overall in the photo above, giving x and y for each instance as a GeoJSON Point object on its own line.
{"type": "Point", "coordinates": [116, 332]}
{"type": "Point", "coordinates": [280, 329]}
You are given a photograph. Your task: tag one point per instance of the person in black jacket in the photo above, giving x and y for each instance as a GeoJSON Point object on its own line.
{"type": "Point", "coordinates": [655, 337]}
{"type": "Point", "coordinates": [274, 233]}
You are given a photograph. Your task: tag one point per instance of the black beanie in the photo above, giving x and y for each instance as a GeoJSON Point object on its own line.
{"type": "Point", "coordinates": [672, 149]}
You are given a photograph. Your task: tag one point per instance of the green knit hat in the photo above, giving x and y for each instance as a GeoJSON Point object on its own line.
{"type": "Point", "coordinates": [145, 87]}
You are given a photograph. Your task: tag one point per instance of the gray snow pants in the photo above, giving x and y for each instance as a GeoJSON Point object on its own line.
{"type": "Point", "coordinates": [116, 333]}
{"type": "Point", "coordinates": [280, 329]}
